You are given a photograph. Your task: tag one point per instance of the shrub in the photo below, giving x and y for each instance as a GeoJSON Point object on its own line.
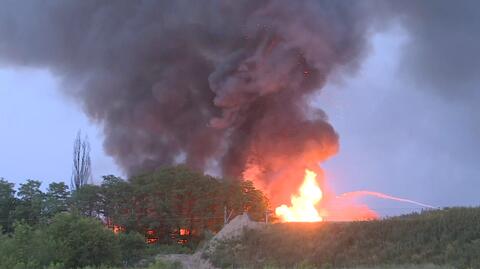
{"type": "Point", "coordinates": [69, 241]}
{"type": "Point", "coordinates": [132, 247]}
{"type": "Point", "coordinates": [168, 249]}
{"type": "Point", "coordinates": [160, 264]}
{"type": "Point", "coordinates": [82, 241]}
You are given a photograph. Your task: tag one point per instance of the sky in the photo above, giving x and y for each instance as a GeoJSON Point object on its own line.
{"type": "Point", "coordinates": [397, 135]}
{"type": "Point", "coordinates": [39, 125]}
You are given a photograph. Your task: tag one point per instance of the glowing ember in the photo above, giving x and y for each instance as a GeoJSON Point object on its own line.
{"type": "Point", "coordinates": [303, 207]}
{"type": "Point", "coordinates": [184, 231]}
{"type": "Point", "coordinates": [117, 229]}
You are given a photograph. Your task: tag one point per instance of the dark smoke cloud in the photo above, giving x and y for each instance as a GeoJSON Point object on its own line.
{"type": "Point", "coordinates": [442, 53]}
{"type": "Point", "coordinates": [213, 82]}
{"type": "Point", "coordinates": [220, 82]}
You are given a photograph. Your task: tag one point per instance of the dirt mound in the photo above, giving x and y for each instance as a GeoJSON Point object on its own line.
{"type": "Point", "coordinates": [233, 229]}
{"type": "Point", "coordinates": [236, 226]}
{"type": "Point", "coordinates": [187, 261]}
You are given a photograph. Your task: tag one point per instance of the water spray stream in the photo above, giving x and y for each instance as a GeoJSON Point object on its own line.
{"type": "Point", "coordinates": [356, 194]}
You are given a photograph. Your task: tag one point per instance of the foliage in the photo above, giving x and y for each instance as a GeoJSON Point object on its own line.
{"type": "Point", "coordinates": [69, 241]}
{"type": "Point", "coordinates": [118, 199]}
{"type": "Point", "coordinates": [132, 247]}
{"type": "Point", "coordinates": [87, 200]}
{"type": "Point", "coordinates": [175, 198]}
{"type": "Point", "coordinates": [15, 250]}
{"type": "Point", "coordinates": [160, 264]}
{"type": "Point", "coordinates": [168, 200]}
{"type": "Point", "coordinates": [443, 237]}
{"type": "Point", "coordinates": [417, 266]}
{"type": "Point", "coordinates": [56, 199]}
{"type": "Point", "coordinates": [83, 241]}
{"type": "Point", "coordinates": [63, 229]}
{"type": "Point", "coordinates": [31, 202]}
{"type": "Point", "coordinates": [168, 249]}
{"type": "Point", "coordinates": [239, 196]}
{"type": "Point", "coordinates": [7, 205]}
{"type": "Point", "coordinates": [160, 204]}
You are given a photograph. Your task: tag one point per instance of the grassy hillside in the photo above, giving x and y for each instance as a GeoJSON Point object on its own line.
{"type": "Point", "coordinates": [449, 237]}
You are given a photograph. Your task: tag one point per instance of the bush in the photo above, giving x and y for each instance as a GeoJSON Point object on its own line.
{"type": "Point", "coordinates": [20, 250]}
{"type": "Point", "coordinates": [82, 241]}
{"type": "Point", "coordinates": [160, 264]}
{"type": "Point", "coordinates": [168, 249]}
{"type": "Point", "coordinates": [132, 247]}
{"type": "Point", "coordinates": [69, 241]}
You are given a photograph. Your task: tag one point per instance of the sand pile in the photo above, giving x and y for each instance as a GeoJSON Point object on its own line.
{"type": "Point", "coordinates": [236, 226]}
{"type": "Point", "coordinates": [233, 229]}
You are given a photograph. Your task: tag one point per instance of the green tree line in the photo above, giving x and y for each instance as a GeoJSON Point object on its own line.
{"type": "Point", "coordinates": [158, 204]}
{"type": "Point", "coordinates": [59, 228]}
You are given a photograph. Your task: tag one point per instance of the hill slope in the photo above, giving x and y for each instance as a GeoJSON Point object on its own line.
{"type": "Point", "coordinates": [449, 236]}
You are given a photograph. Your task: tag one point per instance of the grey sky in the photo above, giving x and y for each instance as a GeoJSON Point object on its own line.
{"type": "Point", "coordinates": [394, 137]}
{"type": "Point", "coordinates": [398, 138]}
{"type": "Point", "coordinates": [38, 128]}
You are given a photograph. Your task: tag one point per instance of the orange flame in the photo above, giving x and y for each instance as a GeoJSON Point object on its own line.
{"type": "Point", "coordinates": [303, 207]}
{"type": "Point", "coordinates": [315, 202]}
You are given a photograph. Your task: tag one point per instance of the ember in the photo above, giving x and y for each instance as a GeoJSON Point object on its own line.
{"type": "Point", "coordinates": [184, 231]}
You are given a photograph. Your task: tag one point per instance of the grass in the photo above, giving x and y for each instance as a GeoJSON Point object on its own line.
{"type": "Point", "coordinates": [448, 237]}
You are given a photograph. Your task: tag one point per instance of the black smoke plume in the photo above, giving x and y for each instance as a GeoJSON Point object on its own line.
{"type": "Point", "coordinates": [216, 84]}
{"type": "Point", "coordinates": [221, 84]}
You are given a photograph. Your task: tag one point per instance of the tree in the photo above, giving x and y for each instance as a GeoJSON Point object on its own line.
{"type": "Point", "coordinates": [118, 202]}
{"type": "Point", "coordinates": [173, 200]}
{"type": "Point", "coordinates": [30, 203]}
{"type": "Point", "coordinates": [7, 205]}
{"type": "Point", "coordinates": [83, 241]}
{"type": "Point", "coordinates": [56, 199]}
{"type": "Point", "coordinates": [239, 196]}
{"type": "Point", "coordinates": [88, 201]}
{"type": "Point", "coordinates": [81, 173]}
{"type": "Point", "coordinates": [254, 201]}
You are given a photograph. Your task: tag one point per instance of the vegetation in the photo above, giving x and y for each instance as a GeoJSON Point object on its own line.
{"type": "Point", "coordinates": [449, 237]}
{"type": "Point", "coordinates": [68, 241]}
{"type": "Point", "coordinates": [172, 199]}
{"type": "Point", "coordinates": [82, 167]}
{"type": "Point", "coordinates": [108, 224]}
{"type": "Point", "coordinates": [308, 266]}
{"type": "Point", "coordinates": [159, 204]}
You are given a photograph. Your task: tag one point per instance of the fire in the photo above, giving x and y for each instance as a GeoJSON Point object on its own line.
{"type": "Point", "coordinates": [315, 203]}
{"type": "Point", "coordinates": [184, 231]}
{"type": "Point", "coordinates": [303, 207]}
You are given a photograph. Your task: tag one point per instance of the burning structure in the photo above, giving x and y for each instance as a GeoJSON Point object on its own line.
{"type": "Point", "coordinates": [222, 86]}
